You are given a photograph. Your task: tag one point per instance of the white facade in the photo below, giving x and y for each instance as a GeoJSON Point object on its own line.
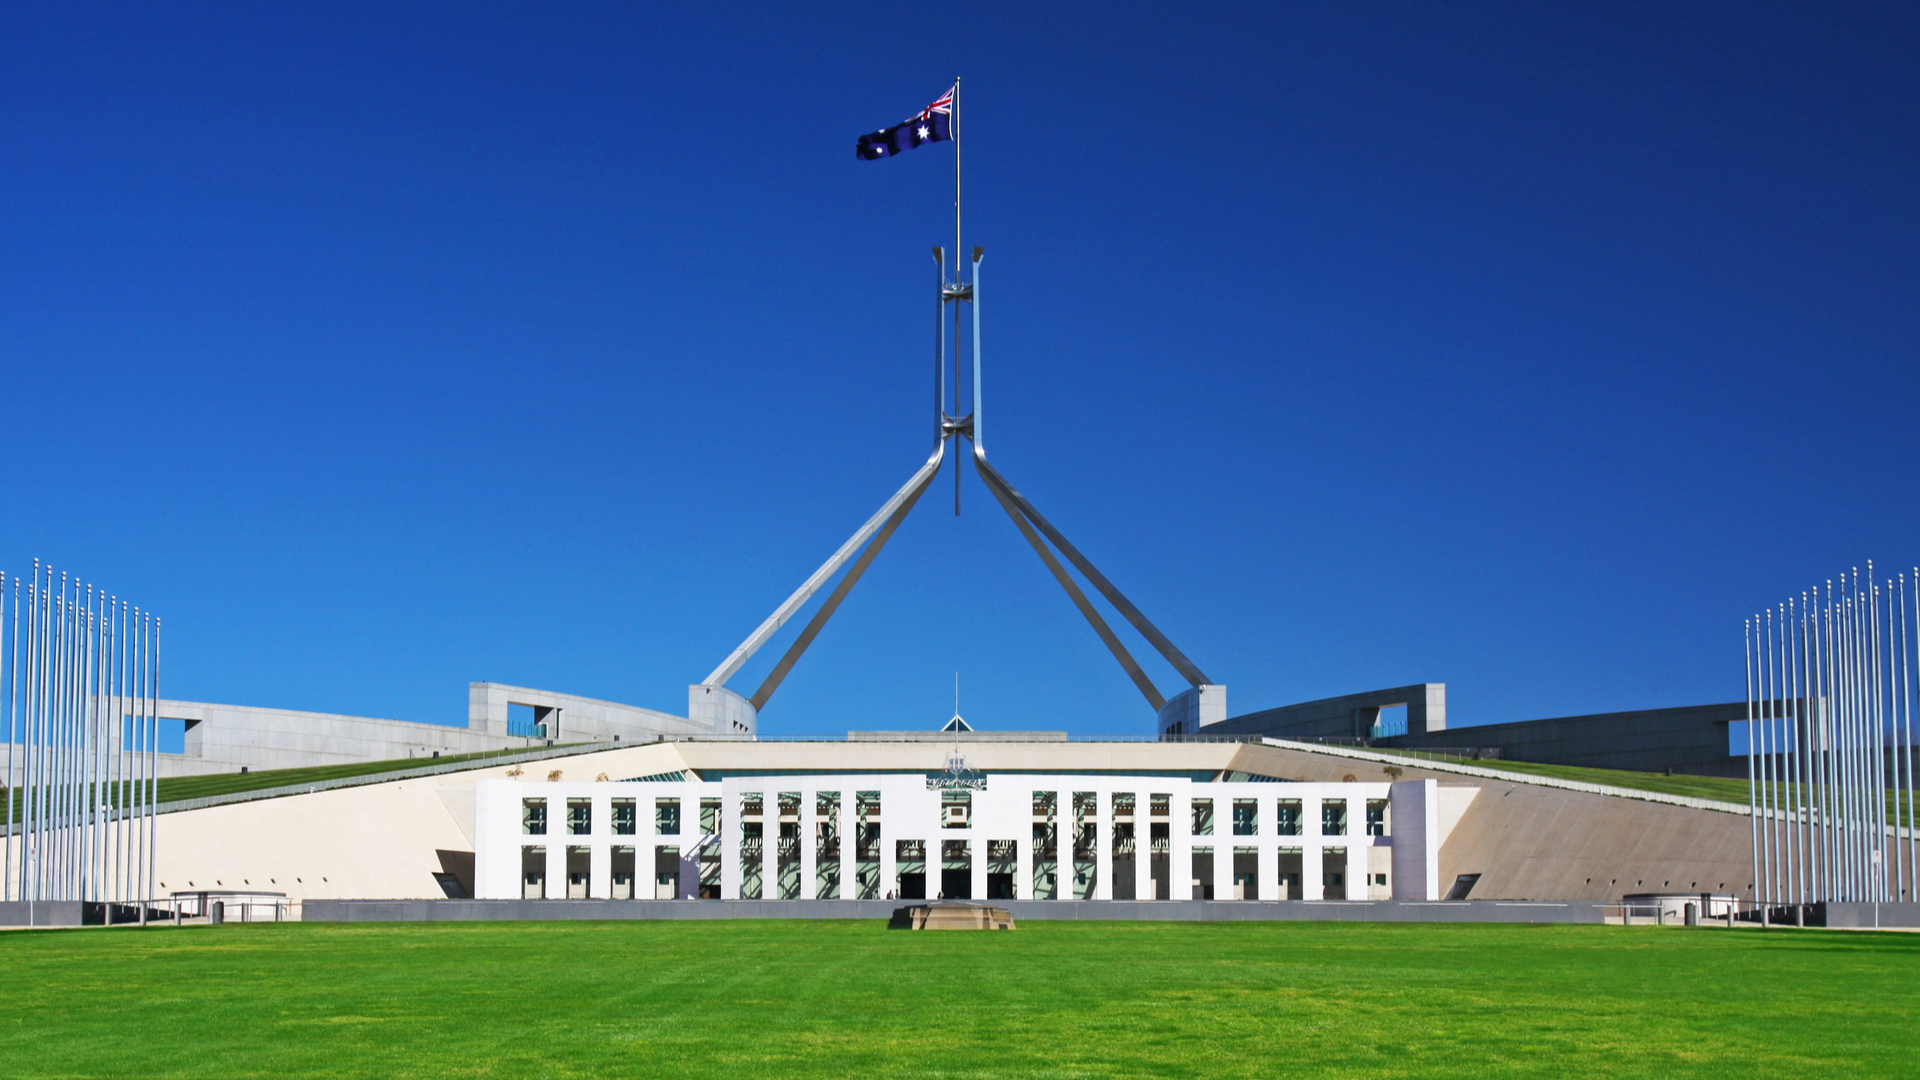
{"type": "Point", "coordinates": [853, 836]}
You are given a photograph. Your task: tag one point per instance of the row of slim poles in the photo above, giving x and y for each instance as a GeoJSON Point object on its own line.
{"type": "Point", "coordinates": [80, 670]}
{"type": "Point", "coordinates": [1830, 694]}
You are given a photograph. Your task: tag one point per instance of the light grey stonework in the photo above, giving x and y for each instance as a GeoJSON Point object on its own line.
{"type": "Point", "coordinates": [227, 738]}
{"type": "Point", "coordinates": [1350, 716]}
{"type": "Point", "coordinates": [1022, 910]}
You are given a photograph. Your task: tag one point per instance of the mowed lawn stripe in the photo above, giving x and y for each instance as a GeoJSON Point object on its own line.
{"type": "Point", "coordinates": [1052, 999]}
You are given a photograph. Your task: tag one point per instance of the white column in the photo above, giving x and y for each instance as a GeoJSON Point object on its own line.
{"type": "Point", "coordinates": [688, 887]}
{"type": "Point", "coordinates": [1357, 868]}
{"type": "Point", "coordinates": [1102, 843]}
{"type": "Point", "coordinates": [1063, 845]}
{"type": "Point", "coordinates": [599, 855]}
{"type": "Point", "coordinates": [1143, 846]}
{"type": "Point", "coordinates": [809, 854]}
{"type": "Point", "coordinates": [1312, 885]}
{"type": "Point", "coordinates": [977, 859]}
{"type": "Point", "coordinates": [1023, 871]}
{"type": "Point", "coordinates": [1180, 846]}
{"type": "Point", "coordinates": [889, 866]}
{"type": "Point", "coordinates": [557, 849]}
{"type": "Point", "coordinates": [1221, 841]}
{"type": "Point", "coordinates": [769, 844]}
{"type": "Point", "coordinates": [730, 837]}
{"type": "Point", "coordinates": [848, 868]}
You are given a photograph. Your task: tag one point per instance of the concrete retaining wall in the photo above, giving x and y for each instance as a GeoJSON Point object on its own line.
{"type": "Point", "coordinates": [1124, 910]}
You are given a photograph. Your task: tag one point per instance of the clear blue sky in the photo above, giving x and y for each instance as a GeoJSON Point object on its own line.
{"type": "Point", "coordinates": [1518, 349]}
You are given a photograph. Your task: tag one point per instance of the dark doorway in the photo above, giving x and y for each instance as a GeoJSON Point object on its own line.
{"type": "Point", "coordinates": [999, 886]}
{"type": "Point", "coordinates": [913, 886]}
{"type": "Point", "coordinates": [956, 884]}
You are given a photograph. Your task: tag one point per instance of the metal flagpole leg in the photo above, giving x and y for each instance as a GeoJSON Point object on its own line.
{"type": "Point", "coordinates": [974, 299]}
{"type": "Point", "coordinates": [1166, 648]}
{"type": "Point", "coordinates": [1000, 492]}
{"type": "Point", "coordinates": [832, 603]}
{"type": "Point", "coordinates": [806, 590]}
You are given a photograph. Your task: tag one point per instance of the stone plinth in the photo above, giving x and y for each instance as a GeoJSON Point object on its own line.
{"type": "Point", "coordinates": [944, 916]}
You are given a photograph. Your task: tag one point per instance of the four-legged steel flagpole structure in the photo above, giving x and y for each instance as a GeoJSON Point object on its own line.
{"type": "Point", "coordinates": [729, 713]}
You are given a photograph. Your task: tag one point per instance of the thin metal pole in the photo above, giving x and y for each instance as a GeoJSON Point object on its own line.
{"type": "Point", "coordinates": [30, 763]}
{"type": "Point", "coordinates": [6, 863]}
{"type": "Point", "coordinates": [1880, 752]}
{"type": "Point", "coordinates": [64, 658]}
{"type": "Point", "coordinates": [1769, 858]}
{"type": "Point", "coordinates": [1804, 735]}
{"type": "Point", "coordinates": [978, 422]}
{"type": "Point", "coordinates": [43, 694]}
{"type": "Point", "coordinates": [959, 257]}
{"type": "Point", "coordinates": [1790, 690]}
{"type": "Point", "coordinates": [153, 723]}
{"type": "Point", "coordinates": [1753, 805]}
{"type": "Point", "coordinates": [940, 344]}
{"type": "Point", "coordinates": [958, 250]}
{"type": "Point", "coordinates": [1843, 722]}
{"type": "Point", "coordinates": [140, 726]}
{"type": "Point", "coordinates": [1906, 753]}
{"type": "Point", "coordinates": [1790, 744]}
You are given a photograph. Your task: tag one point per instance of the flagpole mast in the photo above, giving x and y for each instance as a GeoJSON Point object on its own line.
{"type": "Point", "coordinates": [957, 249]}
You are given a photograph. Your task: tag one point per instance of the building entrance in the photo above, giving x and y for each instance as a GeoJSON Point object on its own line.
{"type": "Point", "coordinates": [956, 884]}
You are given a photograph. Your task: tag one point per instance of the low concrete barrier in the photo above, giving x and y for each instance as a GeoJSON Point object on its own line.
{"type": "Point", "coordinates": [1120, 910]}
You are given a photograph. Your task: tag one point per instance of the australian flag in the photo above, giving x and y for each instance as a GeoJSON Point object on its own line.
{"type": "Point", "coordinates": [934, 124]}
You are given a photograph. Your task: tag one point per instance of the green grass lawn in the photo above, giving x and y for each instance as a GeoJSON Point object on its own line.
{"type": "Point", "coordinates": [853, 999]}
{"type": "Point", "coordinates": [173, 789]}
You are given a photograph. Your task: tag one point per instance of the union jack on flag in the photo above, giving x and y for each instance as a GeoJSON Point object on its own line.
{"type": "Point", "coordinates": [933, 124]}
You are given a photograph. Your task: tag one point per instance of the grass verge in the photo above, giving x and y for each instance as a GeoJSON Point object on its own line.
{"type": "Point", "coordinates": [1052, 999]}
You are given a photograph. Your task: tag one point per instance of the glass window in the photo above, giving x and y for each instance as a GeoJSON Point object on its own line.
{"type": "Point", "coordinates": [1203, 817]}
{"type": "Point", "coordinates": [1286, 817]}
{"type": "Point", "coordinates": [625, 819]}
{"type": "Point", "coordinates": [533, 817]}
{"type": "Point", "coordinates": [666, 817]}
{"type": "Point", "coordinates": [1376, 817]}
{"type": "Point", "coordinates": [1333, 817]}
{"type": "Point", "coordinates": [710, 816]}
{"type": "Point", "coordinates": [579, 817]}
{"type": "Point", "coordinates": [1246, 817]}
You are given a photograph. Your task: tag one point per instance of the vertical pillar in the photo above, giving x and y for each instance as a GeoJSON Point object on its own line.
{"type": "Point", "coordinates": [1357, 867]}
{"type": "Point", "coordinates": [1180, 843]}
{"type": "Point", "coordinates": [809, 851]}
{"type": "Point", "coordinates": [891, 808]}
{"type": "Point", "coordinates": [977, 849]}
{"type": "Point", "coordinates": [770, 843]}
{"type": "Point", "coordinates": [1102, 843]}
{"type": "Point", "coordinates": [1222, 845]}
{"type": "Point", "coordinates": [1313, 884]}
{"type": "Point", "coordinates": [556, 846]}
{"type": "Point", "coordinates": [1143, 844]}
{"type": "Point", "coordinates": [849, 869]}
{"type": "Point", "coordinates": [1413, 810]}
{"type": "Point", "coordinates": [730, 836]}
{"type": "Point", "coordinates": [599, 869]}
{"type": "Point", "coordinates": [1023, 868]}
{"type": "Point", "coordinates": [688, 887]}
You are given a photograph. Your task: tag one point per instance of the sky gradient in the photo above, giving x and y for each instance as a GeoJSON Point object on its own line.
{"type": "Point", "coordinates": [1519, 349]}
